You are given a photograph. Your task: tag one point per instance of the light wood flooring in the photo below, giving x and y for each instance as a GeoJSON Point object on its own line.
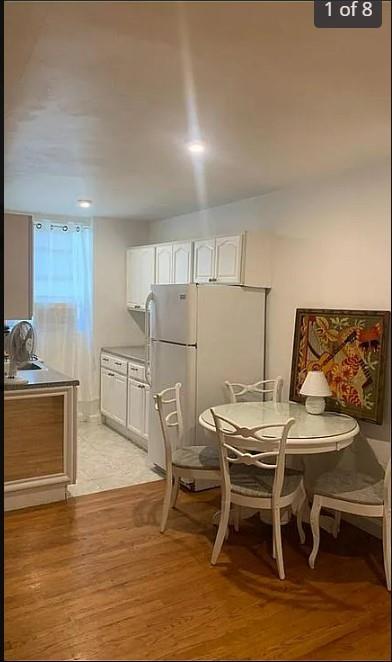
{"type": "Point", "coordinates": [95, 580]}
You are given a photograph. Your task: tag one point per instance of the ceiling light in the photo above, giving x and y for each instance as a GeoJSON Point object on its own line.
{"type": "Point", "coordinates": [84, 203]}
{"type": "Point", "coordinates": [196, 146]}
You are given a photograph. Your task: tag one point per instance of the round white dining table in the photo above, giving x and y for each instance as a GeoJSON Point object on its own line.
{"type": "Point", "coordinates": [311, 433]}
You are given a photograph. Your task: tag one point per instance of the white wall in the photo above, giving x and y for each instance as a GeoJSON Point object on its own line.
{"type": "Point", "coordinates": [113, 324]}
{"type": "Point", "coordinates": [332, 250]}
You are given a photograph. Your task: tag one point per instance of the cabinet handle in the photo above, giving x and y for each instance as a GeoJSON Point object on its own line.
{"type": "Point", "coordinates": [134, 369]}
{"type": "Point", "coordinates": [117, 363]}
{"type": "Point", "coordinates": [106, 360]}
{"type": "Point", "coordinates": [137, 306]}
{"type": "Point", "coordinates": [111, 374]}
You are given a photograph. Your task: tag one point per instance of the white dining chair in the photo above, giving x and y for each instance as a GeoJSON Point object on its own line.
{"type": "Point", "coordinates": [240, 392]}
{"type": "Point", "coordinates": [194, 462]}
{"type": "Point", "coordinates": [357, 494]}
{"type": "Point", "coordinates": [249, 481]}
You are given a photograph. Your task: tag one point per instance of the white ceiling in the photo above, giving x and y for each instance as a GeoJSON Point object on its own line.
{"type": "Point", "coordinates": [100, 97]}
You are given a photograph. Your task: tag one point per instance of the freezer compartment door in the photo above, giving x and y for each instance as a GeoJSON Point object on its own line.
{"type": "Point", "coordinates": [170, 364]}
{"type": "Point", "coordinates": [173, 313]}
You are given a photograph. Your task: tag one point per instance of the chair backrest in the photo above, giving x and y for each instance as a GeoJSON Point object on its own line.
{"type": "Point", "coordinates": [168, 404]}
{"type": "Point", "coordinates": [387, 485]}
{"type": "Point", "coordinates": [265, 387]}
{"type": "Point", "coordinates": [231, 450]}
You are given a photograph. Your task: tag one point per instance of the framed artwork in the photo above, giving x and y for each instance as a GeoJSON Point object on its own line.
{"type": "Point", "coordinates": [350, 347]}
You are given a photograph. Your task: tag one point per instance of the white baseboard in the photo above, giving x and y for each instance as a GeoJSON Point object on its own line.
{"type": "Point", "coordinates": [34, 496]}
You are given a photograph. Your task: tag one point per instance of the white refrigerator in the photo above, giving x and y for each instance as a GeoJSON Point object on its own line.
{"type": "Point", "coordinates": [202, 335]}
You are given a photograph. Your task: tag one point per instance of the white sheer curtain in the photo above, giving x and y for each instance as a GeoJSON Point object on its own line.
{"type": "Point", "coordinates": [63, 295]}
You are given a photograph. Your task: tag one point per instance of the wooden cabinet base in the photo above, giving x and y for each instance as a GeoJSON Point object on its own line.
{"type": "Point", "coordinates": [39, 445]}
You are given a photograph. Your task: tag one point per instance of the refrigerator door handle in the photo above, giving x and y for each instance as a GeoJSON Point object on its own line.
{"type": "Point", "coordinates": [147, 334]}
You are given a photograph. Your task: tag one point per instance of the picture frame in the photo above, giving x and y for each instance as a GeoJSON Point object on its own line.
{"type": "Point", "coordinates": [350, 347]}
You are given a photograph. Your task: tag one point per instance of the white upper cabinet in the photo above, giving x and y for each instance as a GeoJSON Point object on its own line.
{"type": "Point", "coordinates": [182, 263]}
{"type": "Point", "coordinates": [218, 260]}
{"type": "Point", "coordinates": [204, 261]}
{"type": "Point", "coordinates": [164, 264]}
{"type": "Point", "coordinates": [228, 256]}
{"type": "Point", "coordinates": [140, 275]}
{"type": "Point", "coordinates": [242, 259]}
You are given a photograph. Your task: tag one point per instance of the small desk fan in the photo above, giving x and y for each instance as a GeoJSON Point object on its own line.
{"type": "Point", "coordinates": [21, 348]}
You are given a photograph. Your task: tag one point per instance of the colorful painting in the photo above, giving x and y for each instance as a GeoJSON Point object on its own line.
{"type": "Point", "coordinates": [349, 346]}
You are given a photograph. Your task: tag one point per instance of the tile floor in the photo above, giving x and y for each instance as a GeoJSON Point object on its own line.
{"type": "Point", "coordinates": [107, 460]}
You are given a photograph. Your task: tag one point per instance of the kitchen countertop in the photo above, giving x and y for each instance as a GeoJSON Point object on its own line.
{"type": "Point", "coordinates": [44, 378]}
{"type": "Point", "coordinates": [135, 352]}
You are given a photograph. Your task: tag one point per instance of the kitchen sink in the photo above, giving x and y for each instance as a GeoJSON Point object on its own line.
{"type": "Point", "coordinates": [30, 366]}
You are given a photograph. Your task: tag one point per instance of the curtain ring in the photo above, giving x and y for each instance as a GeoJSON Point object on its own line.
{"type": "Point", "coordinates": [38, 226]}
{"type": "Point", "coordinates": [78, 228]}
{"type": "Point", "coordinates": [65, 228]}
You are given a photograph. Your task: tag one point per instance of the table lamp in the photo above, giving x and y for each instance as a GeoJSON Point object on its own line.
{"type": "Point", "coordinates": [316, 388]}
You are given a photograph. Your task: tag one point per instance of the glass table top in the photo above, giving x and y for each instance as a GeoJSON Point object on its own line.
{"type": "Point", "coordinates": [306, 426]}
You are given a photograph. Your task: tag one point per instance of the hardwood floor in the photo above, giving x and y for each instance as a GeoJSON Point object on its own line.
{"type": "Point", "coordinates": [94, 579]}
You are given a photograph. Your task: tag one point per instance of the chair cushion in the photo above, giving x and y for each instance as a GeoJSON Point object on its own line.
{"type": "Point", "coordinates": [350, 486]}
{"type": "Point", "coordinates": [256, 482]}
{"type": "Point", "coordinates": [196, 457]}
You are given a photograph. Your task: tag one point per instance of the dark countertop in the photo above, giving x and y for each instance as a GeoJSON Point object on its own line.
{"type": "Point", "coordinates": [134, 352]}
{"type": "Point", "coordinates": [44, 378]}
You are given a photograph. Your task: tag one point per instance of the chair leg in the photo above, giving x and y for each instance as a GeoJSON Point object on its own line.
{"type": "Point", "coordinates": [167, 501]}
{"type": "Point", "coordinates": [236, 518]}
{"type": "Point", "coordinates": [222, 529]}
{"type": "Point", "coordinates": [336, 524]}
{"type": "Point", "coordinates": [300, 509]}
{"type": "Point", "coordinates": [277, 540]}
{"type": "Point", "coordinates": [315, 524]}
{"type": "Point", "coordinates": [386, 543]}
{"type": "Point", "coordinates": [176, 488]}
{"type": "Point", "coordinates": [273, 546]}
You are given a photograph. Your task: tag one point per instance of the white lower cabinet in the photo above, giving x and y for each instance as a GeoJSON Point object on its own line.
{"type": "Point", "coordinates": [125, 400]}
{"type": "Point", "coordinates": [114, 396]}
{"type": "Point", "coordinates": [136, 405]}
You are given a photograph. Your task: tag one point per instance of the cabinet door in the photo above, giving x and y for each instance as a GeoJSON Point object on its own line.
{"type": "Point", "coordinates": [164, 264]}
{"type": "Point", "coordinates": [147, 272]}
{"type": "Point", "coordinates": [18, 267]}
{"type": "Point", "coordinates": [136, 406]}
{"type": "Point", "coordinates": [228, 259]}
{"type": "Point", "coordinates": [182, 262]}
{"type": "Point", "coordinates": [114, 396]}
{"type": "Point", "coordinates": [106, 392]}
{"type": "Point", "coordinates": [204, 253]}
{"type": "Point", "coordinates": [133, 277]}
{"type": "Point", "coordinates": [147, 396]}
{"type": "Point", "coordinates": [140, 275]}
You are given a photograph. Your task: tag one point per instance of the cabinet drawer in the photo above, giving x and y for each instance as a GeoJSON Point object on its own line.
{"type": "Point", "coordinates": [136, 371]}
{"type": "Point", "coordinates": [114, 363]}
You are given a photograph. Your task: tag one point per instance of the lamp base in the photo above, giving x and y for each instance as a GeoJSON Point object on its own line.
{"type": "Point", "coordinates": [314, 404]}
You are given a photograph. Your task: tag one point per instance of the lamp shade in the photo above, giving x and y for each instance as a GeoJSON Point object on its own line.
{"type": "Point", "coordinates": [315, 384]}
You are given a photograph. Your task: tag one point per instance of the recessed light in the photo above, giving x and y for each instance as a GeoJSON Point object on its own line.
{"type": "Point", "coordinates": [196, 146]}
{"type": "Point", "coordinates": [84, 203]}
